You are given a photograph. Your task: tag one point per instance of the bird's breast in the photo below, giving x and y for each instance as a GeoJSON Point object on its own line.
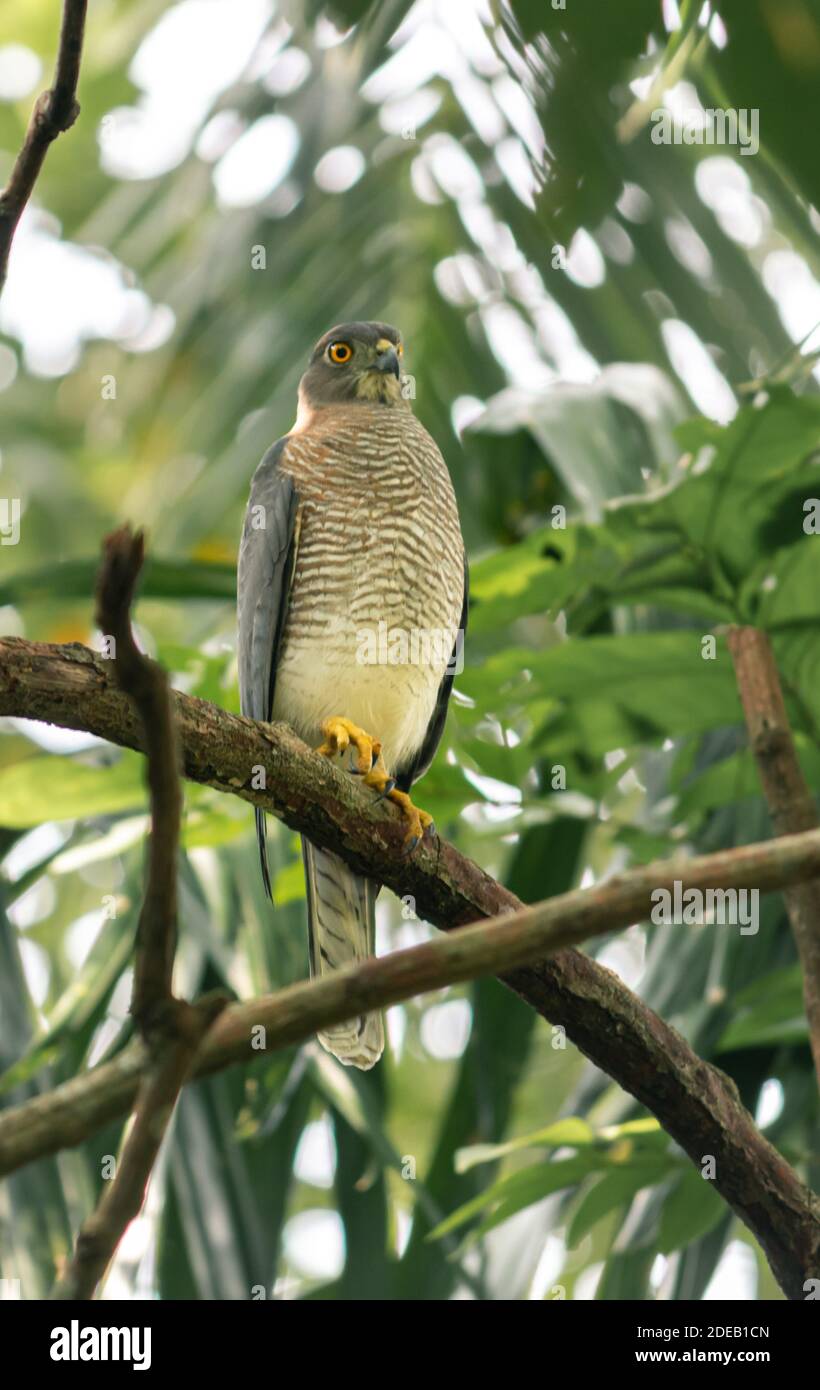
{"type": "Point", "coordinates": [378, 581]}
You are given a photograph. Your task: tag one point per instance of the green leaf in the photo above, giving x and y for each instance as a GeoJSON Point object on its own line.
{"type": "Point", "coordinates": [166, 579]}
{"type": "Point", "coordinates": [786, 586]}
{"type": "Point", "coordinates": [616, 1189]}
{"type": "Point", "coordinates": [289, 884]}
{"type": "Point", "coordinates": [573, 1132]}
{"type": "Point", "coordinates": [522, 1189]}
{"type": "Point", "coordinates": [637, 1147]}
{"type": "Point", "coordinates": [610, 692]}
{"type": "Point", "coordinates": [692, 1208]}
{"type": "Point", "coordinates": [772, 1011]}
{"type": "Point", "coordinates": [56, 788]}
{"type": "Point", "coordinates": [750, 498]}
{"type": "Point", "coordinates": [736, 777]}
{"type": "Point", "coordinates": [77, 1013]}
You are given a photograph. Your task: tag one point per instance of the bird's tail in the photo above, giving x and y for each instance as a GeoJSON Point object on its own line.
{"type": "Point", "coordinates": [341, 908]}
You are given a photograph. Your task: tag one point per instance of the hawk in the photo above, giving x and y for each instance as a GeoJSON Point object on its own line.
{"type": "Point", "coordinates": [352, 604]}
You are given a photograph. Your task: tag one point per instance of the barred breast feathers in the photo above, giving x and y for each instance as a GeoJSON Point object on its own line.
{"type": "Point", "coordinates": [380, 551]}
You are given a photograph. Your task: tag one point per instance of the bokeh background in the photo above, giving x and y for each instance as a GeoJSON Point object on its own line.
{"type": "Point", "coordinates": [244, 174]}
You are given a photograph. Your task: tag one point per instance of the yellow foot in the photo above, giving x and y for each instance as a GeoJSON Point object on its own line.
{"type": "Point", "coordinates": [418, 822]}
{"type": "Point", "coordinates": [341, 733]}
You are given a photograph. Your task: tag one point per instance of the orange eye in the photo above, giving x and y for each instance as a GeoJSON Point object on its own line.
{"type": "Point", "coordinates": [339, 353]}
{"type": "Point", "coordinates": [400, 350]}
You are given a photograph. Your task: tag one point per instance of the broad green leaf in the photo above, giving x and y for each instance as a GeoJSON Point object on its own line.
{"type": "Point", "coordinates": [616, 1189]}
{"type": "Point", "coordinates": [749, 500]}
{"type": "Point", "coordinates": [787, 586]}
{"type": "Point", "coordinates": [61, 788]}
{"type": "Point", "coordinates": [613, 692]}
{"type": "Point", "coordinates": [737, 777]}
{"type": "Point", "coordinates": [770, 1012]}
{"type": "Point", "coordinates": [55, 787]}
{"type": "Point", "coordinates": [692, 1208]}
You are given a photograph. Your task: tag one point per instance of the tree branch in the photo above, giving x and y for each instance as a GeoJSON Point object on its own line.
{"type": "Point", "coordinates": [751, 1175]}
{"type": "Point", "coordinates": [696, 1104]}
{"type": "Point", "coordinates": [54, 111]}
{"type": "Point", "coordinates": [146, 683]}
{"type": "Point", "coordinates": [171, 1030]}
{"type": "Point", "coordinates": [156, 1096]}
{"type": "Point", "coordinates": [790, 801]}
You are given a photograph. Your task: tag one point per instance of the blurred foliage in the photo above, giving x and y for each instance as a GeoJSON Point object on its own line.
{"type": "Point", "coordinates": [611, 342]}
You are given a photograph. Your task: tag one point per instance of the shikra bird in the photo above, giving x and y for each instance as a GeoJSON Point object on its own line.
{"type": "Point", "coordinates": [352, 605]}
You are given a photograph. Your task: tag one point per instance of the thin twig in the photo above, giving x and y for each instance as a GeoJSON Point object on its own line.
{"type": "Point", "coordinates": [171, 1029]}
{"type": "Point", "coordinates": [147, 685]}
{"type": "Point", "coordinates": [123, 1197]}
{"type": "Point", "coordinates": [54, 111]}
{"type": "Point", "coordinates": [791, 803]}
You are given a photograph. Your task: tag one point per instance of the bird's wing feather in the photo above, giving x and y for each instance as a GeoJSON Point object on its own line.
{"type": "Point", "coordinates": [266, 558]}
{"type": "Point", "coordinates": [421, 761]}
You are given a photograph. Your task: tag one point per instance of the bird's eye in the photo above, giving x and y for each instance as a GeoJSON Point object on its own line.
{"type": "Point", "coordinates": [400, 350]}
{"type": "Point", "coordinates": [339, 353]}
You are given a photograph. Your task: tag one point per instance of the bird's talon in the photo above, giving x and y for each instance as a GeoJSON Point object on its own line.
{"type": "Point", "coordinates": [418, 823]}
{"type": "Point", "coordinates": [341, 734]}
{"type": "Point", "coordinates": [365, 760]}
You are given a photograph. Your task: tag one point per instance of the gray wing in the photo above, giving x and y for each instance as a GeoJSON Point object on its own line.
{"type": "Point", "coordinates": [266, 556]}
{"type": "Point", "coordinates": [432, 738]}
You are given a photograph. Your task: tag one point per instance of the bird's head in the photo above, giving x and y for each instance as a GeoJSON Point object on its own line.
{"type": "Point", "coordinates": [354, 363]}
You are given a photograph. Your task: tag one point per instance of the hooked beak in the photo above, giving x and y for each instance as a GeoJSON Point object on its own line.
{"type": "Point", "coordinates": [388, 361]}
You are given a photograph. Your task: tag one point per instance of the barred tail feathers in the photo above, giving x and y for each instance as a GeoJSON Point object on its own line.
{"type": "Point", "coordinates": [341, 907]}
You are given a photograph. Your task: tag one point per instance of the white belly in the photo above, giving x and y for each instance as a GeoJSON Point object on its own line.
{"type": "Point", "coordinates": [393, 702]}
